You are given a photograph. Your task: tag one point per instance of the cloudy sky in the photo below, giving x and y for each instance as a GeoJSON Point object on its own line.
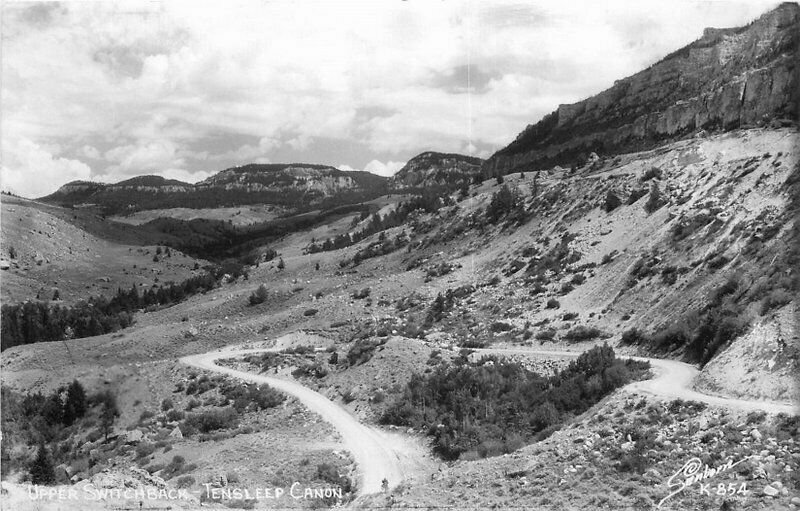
{"type": "Point", "coordinates": [109, 90]}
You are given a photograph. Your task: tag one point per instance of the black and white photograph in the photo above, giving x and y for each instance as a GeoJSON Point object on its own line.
{"type": "Point", "coordinates": [400, 254]}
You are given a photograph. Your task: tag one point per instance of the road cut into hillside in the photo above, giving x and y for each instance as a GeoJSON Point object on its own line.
{"type": "Point", "coordinates": [672, 380]}
{"type": "Point", "coordinates": [378, 454]}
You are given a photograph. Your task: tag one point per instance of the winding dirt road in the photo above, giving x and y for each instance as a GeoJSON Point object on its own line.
{"type": "Point", "coordinates": [673, 380]}
{"type": "Point", "coordinates": [379, 454]}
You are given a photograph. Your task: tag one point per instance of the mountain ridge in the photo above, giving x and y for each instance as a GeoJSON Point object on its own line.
{"type": "Point", "coordinates": [726, 79]}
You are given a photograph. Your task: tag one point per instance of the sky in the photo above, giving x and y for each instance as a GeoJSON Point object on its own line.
{"type": "Point", "coordinates": [107, 90]}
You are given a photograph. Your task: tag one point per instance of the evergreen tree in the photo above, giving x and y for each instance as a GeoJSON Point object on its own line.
{"type": "Point", "coordinates": [281, 264]}
{"type": "Point", "coordinates": [654, 201]}
{"type": "Point", "coordinates": [75, 406]}
{"type": "Point", "coordinates": [108, 412]}
{"type": "Point", "coordinates": [41, 470]}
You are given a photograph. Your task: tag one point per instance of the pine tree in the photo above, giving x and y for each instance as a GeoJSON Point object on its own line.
{"type": "Point", "coordinates": [654, 201]}
{"type": "Point", "coordinates": [75, 407]}
{"type": "Point", "coordinates": [281, 264]}
{"type": "Point", "coordinates": [41, 470]}
{"type": "Point", "coordinates": [108, 413]}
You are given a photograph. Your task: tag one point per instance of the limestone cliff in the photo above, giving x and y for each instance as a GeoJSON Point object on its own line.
{"type": "Point", "coordinates": [727, 79]}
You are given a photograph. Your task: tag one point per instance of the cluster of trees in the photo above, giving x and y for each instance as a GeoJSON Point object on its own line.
{"type": "Point", "coordinates": [428, 202]}
{"type": "Point", "coordinates": [381, 247]}
{"type": "Point", "coordinates": [41, 321]}
{"type": "Point", "coordinates": [47, 419]}
{"type": "Point", "coordinates": [495, 405]}
{"type": "Point", "coordinates": [506, 203]}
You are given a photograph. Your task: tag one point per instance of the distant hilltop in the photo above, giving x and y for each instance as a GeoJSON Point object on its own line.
{"type": "Point", "coordinates": [279, 184]}
{"type": "Point", "coordinates": [431, 169]}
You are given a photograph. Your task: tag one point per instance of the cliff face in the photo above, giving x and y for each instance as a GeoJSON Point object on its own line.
{"type": "Point", "coordinates": [431, 169]}
{"type": "Point", "coordinates": [726, 79]}
{"type": "Point", "coordinates": [315, 179]}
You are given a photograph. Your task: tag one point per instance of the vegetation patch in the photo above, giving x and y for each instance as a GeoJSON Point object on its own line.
{"type": "Point", "coordinates": [494, 405]}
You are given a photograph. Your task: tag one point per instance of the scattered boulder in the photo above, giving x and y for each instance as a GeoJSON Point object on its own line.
{"type": "Point", "coordinates": [134, 436]}
{"type": "Point", "coordinates": [771, 491]}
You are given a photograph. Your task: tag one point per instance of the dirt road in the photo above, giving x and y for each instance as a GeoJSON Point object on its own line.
{"type": "Point", "coordinates": [396, 457]}
{"type": "Point", "coordinates": [378, 454]}
{"type": "Point", "coordinates": [673, 380]}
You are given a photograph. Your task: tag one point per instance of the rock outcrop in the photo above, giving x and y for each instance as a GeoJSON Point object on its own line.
{"type": "Point", "coordinates": [431, 169]}
{"type": "Point", "coordinates": [728, 78]}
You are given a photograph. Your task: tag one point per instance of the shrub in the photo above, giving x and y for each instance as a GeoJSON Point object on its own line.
{"type": "Point", "coordinates": [583, 333]}
{"type": "Point", "coordinates": [546, 335]}
{"type": "Point", "coordinates": [633, 336]}
{"type": "Point", "coordinates": [672, 337]}
{"type": "Point", "coordinates": [500, 326]}
{"type": "Point", "coordinates": [717, 262]}
{"type": "Point", "coordinates": [185, 482]}
{"type": "Point", "coordinates": [211, 420]}
{"type": "Point", "coordinates": [578, 279]}
{"type": "Point", "coordinates": [166, 404]}
{"type": "Point", "coordinates": [310, 312]}
{"type": "Point", "coordinates": [652, 173]}
{"type": "Point", "coordinates": [552, 303]}
{"type": "Point", "coordinates": [175, 415]}
{"type": "Point", "coordinates": [259, 295]}
{"type": "Point", "coordinates": [776, 298]}
{"type": "Point", "coordinates": [145, 449]}
{"type": "Point", "coordinates": [328, 473]}
{"type": "Point", "coordinates": [669, 275]}
{"type": "Point", "coordinates": [612, 202]}
{"type": "Point", "coordinates": [569, 316]}
{"type": "Point", "coordinates": [655, 201]}
{"type": "Point", "coordinates": [362, 350]}
{"type": "Point", "coordinates": [256, 397]}
{"type": "Point", "coordinates": [361, 294]}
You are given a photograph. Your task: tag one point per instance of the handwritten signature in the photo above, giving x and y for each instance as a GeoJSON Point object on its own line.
{"type": "Point", "coordinates": [694, 471]}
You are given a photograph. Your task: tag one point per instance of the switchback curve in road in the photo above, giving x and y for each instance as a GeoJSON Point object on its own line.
{"type": "Point", "coordinates": [672, 380]}
{"type": "Point", "coordinates": [378, 454]}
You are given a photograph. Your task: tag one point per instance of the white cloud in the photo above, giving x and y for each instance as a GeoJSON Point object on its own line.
{"type": "Point", "coordinates": [250, 153]}
{"type": "Point", "coordinates": [184, 175]}
{"type": "Point", "coordinates": [143, 157]}
{"type": "Point", "coordinates": [387, 169]}
{"type": "Point", "coordinates": [345, 167]}
{"type": "Point", "coordinates": [90, 152]}
{"type": "Point", "coordinates": [141, 82]}
{"type": "Point", "coordinates": [30, 170]}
